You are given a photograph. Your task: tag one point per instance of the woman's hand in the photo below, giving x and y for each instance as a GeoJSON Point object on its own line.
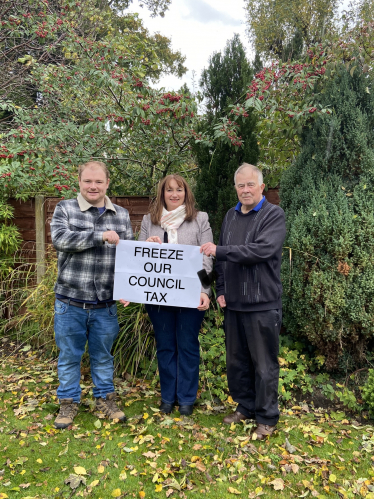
{"type": "Point", "coordinates": [124, 303]}
{"type": "Point", "coordinates": [154, 239]}
{"type": "Point", "coordinates": [204, 302]}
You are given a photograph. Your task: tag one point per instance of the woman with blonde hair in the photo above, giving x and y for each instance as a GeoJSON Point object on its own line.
{"type": "Point", "coordinates": [174, 219]}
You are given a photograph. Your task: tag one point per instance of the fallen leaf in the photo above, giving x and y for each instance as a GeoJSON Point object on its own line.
{"type": "Point", "coordinates": [116, 493]}
{"type": "Point", "coordinates": [295, 467]}
{"type": "Point", "coordinates": [79, 470]}
{"type": "Point", "coordinates": [97, 424]}
{"type": "Point", "coordinates": [158, 488]}
{"type": "Point", "coordinates": [278, 484]}
{"type": "Point", "coordinates": [200, 466]}
{"type": "Point", "coordinates": [234, 491]}
{"type": "Point", "coordinates": [290, 448]}
{"type": "Point", "coordinates": [332, 478]}
{"type": "Point", "coordinates": [74, 481]}
{"type": "Point", "coordinates": [100, 468]}
{"type": "Point", "coordinates": [94, 483]}
{"type": "Point", "coordinates": [149, 454]}
{"type": "Point", "coordinates": [39, 461]}
{"type": "Point", "coordinates": [142, 493]}
{"type": "Point", "coordinates": [169, 492]}
{"type": "Point", "coordinates": [197, 447]}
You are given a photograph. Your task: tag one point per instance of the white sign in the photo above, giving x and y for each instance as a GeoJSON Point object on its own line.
{"type": "Point", "coordinates": [159, 274]}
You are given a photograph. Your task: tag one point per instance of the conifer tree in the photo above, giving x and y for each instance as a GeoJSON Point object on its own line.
{"type": "Point", "coordinates": [328, 197]}
{"type": "Point", "coordinates": [223, 83]}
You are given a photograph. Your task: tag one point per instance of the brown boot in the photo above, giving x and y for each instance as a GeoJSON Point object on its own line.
{"type": "Point", "coordinates": [264, 430]}
{"type": "Point", "coordinates": [109, 407]}
{"type": "Point", "coordinates": [235, 417]}
{"type": "Point", "coordinates": [68, 411]}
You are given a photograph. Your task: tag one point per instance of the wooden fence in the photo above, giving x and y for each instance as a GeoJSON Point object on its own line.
{"type": "Point", "coordinates": [33, 218]}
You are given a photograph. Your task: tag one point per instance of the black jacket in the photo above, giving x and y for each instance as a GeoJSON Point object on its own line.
{"type": "Point", "coordinates": [249, 256]}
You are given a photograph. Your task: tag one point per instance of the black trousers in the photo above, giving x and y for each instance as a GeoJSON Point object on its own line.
{"type": "Point", "coordinates": [252, 347]}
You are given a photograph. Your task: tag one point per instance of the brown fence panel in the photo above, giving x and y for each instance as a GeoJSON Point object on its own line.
{"type": "Point", "coordinates": [24, 219]}
{"type": "Point", "coordinates": [272, 195]}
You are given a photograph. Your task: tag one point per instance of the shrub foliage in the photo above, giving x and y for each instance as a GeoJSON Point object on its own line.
{"type": "Point", "coordinates": [328, 196]}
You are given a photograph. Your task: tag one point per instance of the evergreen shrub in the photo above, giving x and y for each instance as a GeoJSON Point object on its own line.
{"type": "Point", "coordinates": [328, 197]}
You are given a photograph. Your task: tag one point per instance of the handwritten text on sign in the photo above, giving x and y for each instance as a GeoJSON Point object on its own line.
{"type": "Point", "coordinates": [160, 274]}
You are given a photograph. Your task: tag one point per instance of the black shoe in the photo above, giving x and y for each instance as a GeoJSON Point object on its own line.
{"type": "Point", "coordinates": [186, 410]}
{"type": "Point", "coordinates": [166, 408]}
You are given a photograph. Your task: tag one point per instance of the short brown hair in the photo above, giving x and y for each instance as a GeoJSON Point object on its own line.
{"type": "Point", "coordinates": [159, 203]}
{"type": "Point", "coordinates": [99, 164]}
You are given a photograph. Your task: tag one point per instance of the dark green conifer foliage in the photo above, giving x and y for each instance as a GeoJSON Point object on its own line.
{"type": "Point", "coordinates": [328, 197]}
{"type": "Point", "coordinates": [224, 81]}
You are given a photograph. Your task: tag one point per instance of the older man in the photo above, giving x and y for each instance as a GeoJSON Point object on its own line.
{"type": "Point", "coordinates": [248, 260]}
{"type": "Point", "coordinates": [85, 232]}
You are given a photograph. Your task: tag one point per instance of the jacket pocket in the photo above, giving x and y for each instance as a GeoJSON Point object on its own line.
{"type": "Point", "coordinates": [81, 225]}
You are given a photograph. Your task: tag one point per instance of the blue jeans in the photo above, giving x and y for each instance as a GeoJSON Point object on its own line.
{"type": "Point", "coordinates": [178, 351]}
{"type": "Point", "coordinates": [75, 326]}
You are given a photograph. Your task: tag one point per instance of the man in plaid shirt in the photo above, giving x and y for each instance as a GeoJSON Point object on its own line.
{"type": "Point", "coordinates": [85, 232]}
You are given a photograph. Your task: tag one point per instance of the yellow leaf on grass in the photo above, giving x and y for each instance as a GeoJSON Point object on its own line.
{"type": "Point", "coordinates": [39, 461]}
{"type": "Point", "coordinates": [100, 468]}
{"type": "Point", "coordinates": [158, 488]}
{"type": "Point", "coordinates": [142, 494]}
{"type": "Point", "coordinates": [79, 470]}
{"type": "Point", "coordinates": [332, 478]}
{"type": "Point", "coordinates": [234, 491]}
{"type": "Point", "coordinates": [194, 459]}
{"type": "Point", "coordinates": [3, 496]}
{"type": "Point", "coordinates": [116, 493]}
{"type": "Point", "coordinates": [145, 415]}
{"type": "Point", "coordinates": [94, 483]}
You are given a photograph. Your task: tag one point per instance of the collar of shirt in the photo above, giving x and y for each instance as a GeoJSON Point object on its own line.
{"type": "Point", "coordinates": [258, 206]}
{"type": "Point", "coordinates": [85, 205]}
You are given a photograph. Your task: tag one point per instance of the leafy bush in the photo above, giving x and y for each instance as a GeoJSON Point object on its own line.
{"type": "Point", "coordinates": [32, 304]}
{"type": "Point", "coordinates": [213, 379]}
{"type": "Point", "coordinates": [296, 370]}
{"type": "Point", "coordinates": [328, 197]}
{"type": "Point", "coordinates": [368, 392]}
{"type": "Point", "coordinates": [10, 239]}
{"type": "Point", "coordinates": [135, 348]}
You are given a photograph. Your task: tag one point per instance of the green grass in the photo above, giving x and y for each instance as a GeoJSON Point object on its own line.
{"type": "Point", "coordinates": [183, 457]}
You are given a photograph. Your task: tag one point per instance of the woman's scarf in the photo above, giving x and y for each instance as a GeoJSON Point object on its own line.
{"type": "Point", "coordinates": [171, 221]}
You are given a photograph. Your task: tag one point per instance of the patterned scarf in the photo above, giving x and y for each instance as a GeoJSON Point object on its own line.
{"type": "Point", "coordinates": [171, 221]}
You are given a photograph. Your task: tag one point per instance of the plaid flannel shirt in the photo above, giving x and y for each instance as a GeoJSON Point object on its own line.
{"type": "Point", "coordinates": [85, 262]}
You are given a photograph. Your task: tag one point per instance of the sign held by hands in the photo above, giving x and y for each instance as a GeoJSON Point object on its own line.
{"type": "Point", "coordinates": [158, 274]}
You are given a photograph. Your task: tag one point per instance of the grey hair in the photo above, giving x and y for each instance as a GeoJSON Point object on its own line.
{"type": "Point", "coordinates": [254, 169]}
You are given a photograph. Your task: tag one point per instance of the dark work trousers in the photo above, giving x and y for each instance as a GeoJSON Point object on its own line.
{"type": "Point", "coordinates": [178, 355]}
{"type": "Point", "coordinates": [252, 347]}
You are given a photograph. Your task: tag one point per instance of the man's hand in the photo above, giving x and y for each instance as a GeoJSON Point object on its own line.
{"type": "Point", "coordinates": [204, 302]}
{"type": "Point", "coordinates": [209, 249]}
{"type": "Point", "coordinates": [111, 237]}
{"type": "Point", "coordinates": [124, 303]}
{"type": "Point", "coordinates": [154, 239]}
{"type": "Point", "coordinates": [221, 301]}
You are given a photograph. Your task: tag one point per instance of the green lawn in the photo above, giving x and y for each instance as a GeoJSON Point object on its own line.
{"type": "Point", "coordinates": [325, 455]}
